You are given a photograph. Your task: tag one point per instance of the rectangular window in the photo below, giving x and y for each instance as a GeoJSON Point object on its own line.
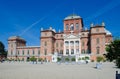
{"type": "Point", "coordinates": [56, 44]}
{"type": "Point", "coordinates": [38, 52]}
{"type": "Point", "coordinates": [33, 52]}
{"type": "Point", "coordinates": [97, 41]}
{"type": "Point", "coordinates": [18, 52]}
{"type": "Point", "coordinates": [72, 51]}
{"type": "Point", "coordinates": [45, 52]}
{"type": "Point", "coordinates": [67, 51]}
{"type": "Point", "coordinates": [23, 52]}
{"type": "Point", "coordinates": [28, 52]}
{"type": "Point", "coordinates": [45, 43]}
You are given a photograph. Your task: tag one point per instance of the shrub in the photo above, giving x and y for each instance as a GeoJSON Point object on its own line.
{"type": "Point", "coordinates": [87, 58]}
{"type": "Point", "coordinates": [79, 59]}
{"type": "Point", "coordinates": [33, 58]}
{"type": "Point", "coordinates": [67, 59]}
{"type": "Point", "coordinates": [40, 59]}
{"type": "Point", "coordinates": [58, 59]}
{"type": "Point", "coordinates": [83, 58]}
{"type": "Point", "coordinates": [99, 58]}
{"type": "Point", "coordinates": [73, 59]}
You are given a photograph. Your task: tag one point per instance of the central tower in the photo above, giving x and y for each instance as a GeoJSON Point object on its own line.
{"type": "Point", "coordinates": [73, 23]}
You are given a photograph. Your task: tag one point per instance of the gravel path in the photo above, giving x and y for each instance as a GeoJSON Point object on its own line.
{"type": "Point", "coordinates": [25, 70]}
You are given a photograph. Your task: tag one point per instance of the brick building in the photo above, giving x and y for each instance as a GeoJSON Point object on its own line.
{"type": "Point", "coordinates": [73, 41]}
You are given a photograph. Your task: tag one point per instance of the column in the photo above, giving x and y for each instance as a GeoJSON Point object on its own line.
{"type": "Point", "coordinates": [69, 48]}
{"type": "Point", "coordinates": [74, 48]}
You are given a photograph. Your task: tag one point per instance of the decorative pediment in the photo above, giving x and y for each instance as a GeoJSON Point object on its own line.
{"type": "Point", "coordinates": [71, 36]}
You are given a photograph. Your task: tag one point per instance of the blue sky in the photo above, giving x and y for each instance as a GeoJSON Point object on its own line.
{"type": "Point", "coordinates": [26, 17]}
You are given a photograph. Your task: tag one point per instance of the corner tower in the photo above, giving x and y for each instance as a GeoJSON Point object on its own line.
{"type": "Point", "coordinates": [73, 23]}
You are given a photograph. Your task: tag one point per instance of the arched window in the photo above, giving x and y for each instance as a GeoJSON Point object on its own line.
{"type": "Point", "coordinates": [77, 43]}
{"type": "Point", "coordinates": [71, 27]}
{"type": "Point", "coordinates": [97, 50]}
{"type": "Point", "coordinates": [71, 43]}
{"type": "Point", "coordinates": [67, 28]}
{"type": "Point", "coordinates": [77, 26]}
{"type": "Point", "coordinates": [66, 43]}
{"type": "Point", "coordinates": [38, 52]}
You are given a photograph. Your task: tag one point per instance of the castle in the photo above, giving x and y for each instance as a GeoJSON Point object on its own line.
{"type": "Point", "coordinates": [73, 41]}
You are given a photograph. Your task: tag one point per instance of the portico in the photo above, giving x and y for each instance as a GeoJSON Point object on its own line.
{"type": "Point", "coordinates": [72, 45]}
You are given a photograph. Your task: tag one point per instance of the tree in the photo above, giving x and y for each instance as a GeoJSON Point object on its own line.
{"type": "Point", "coordinates": [3, 53]}
{"type": "Point", "coordinates": [113, 50]}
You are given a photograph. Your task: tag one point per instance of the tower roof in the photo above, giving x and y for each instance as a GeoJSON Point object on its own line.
{"type": "Point", "coordinates": [72, 16]}
{"type": "Point", "coordinates": [15, 38]}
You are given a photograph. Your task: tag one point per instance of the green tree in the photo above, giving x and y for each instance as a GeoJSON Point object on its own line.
{"type": "Point", "coordinates": [2, 50]}
{"type": "Point", "coordinates": [113, 50]}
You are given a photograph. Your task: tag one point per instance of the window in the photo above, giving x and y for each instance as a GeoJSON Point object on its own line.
{"type": "Point", "coordinates": [83, 43]}
{"type": "Point", "coordinates": [61, 51]}
{"type": "Point", "coordinates": [38, 52]}
{"type": "Point", "coordinates": [61, 35]}
{"type": "Point", "coordinates": [66, 43]}
{"type": "Point", "coordinates": [45, 43]}
{"type": "Point", "coordinates": [77, 43]}
{"type": "Point", "coordinates": [77, 50]}
{"type": "Point", "coordinates": [11, 52]}
{"type": "Point", "coordinates": [67, 27]}
{"type": "Point", "coordinates": [61, 44]}
{"type": "Point", "coordinates": [97, 29]}
{"type": "Point", "coordinates": [71, 43]}
{"type": "Point", "coordinates": [72, 51]}
{"type": "Point", "coordinates": [77, 26]}
{"type": "Point", "coordinates": [83, 51]}
{"type": "Point", "coordinates": [45, 52]}
{"type": "Point", "coordinates": [71, 27]}
{"type": "Point", "coordinates": [18, 52]}
{"type": "Point", "coordinates": [28, 52]}
{"type": "Point", "coordinates": [97, 50]}
{"type": "Point", "coordinates": [67, 51]}
{"type": "Point", "coordinates": [97, 41]}
{"type": "Point", "coordinates": [56, 44]}
{"type": "Point", "coordinates": [22, 52]}
{"type": "Point", "coordinates": [45, 34]}
{"type": "Point", "coordinates": [33, 52]}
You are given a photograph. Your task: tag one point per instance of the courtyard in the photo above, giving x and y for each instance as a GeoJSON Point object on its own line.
{"type": "Point", "coordinates": [26, 70]}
